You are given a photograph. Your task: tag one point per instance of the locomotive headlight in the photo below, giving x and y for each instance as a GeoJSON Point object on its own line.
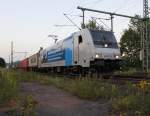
{"type": "Point", "coordinates": [106, 45]}
{"type": "Point", "coordinates": [117, 57]}
{"type": "Point", "coordinates": [97, 56]}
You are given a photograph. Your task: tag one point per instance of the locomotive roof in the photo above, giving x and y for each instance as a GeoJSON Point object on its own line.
{"type": "Point", "coordinates": [60, 42]}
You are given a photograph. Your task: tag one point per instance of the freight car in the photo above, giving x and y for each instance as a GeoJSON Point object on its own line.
{"type": "Point", "coordinates": [33, 62]}
{"type": "Point", "coordinates": [84, 51]}
{"type": "Point", "coordinates": [23, 65]}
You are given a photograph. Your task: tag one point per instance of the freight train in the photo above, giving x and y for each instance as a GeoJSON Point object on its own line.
{"type": "Point", "coordinates": [84, 51]}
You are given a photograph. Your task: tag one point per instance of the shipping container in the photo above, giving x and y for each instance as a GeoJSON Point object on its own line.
{"type": "Point", "coordinates": [23, 64]}
{"type": "Point", "coordinates": [33, 61]}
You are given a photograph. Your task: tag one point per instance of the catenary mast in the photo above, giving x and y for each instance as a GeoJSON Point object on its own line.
{"type": "Point", "coordinates": [145, 37]}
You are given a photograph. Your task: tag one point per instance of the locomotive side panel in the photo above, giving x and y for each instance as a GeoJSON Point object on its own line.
{"type": "Point", "coordinates": [83, 48]}
{"type": "Point", "coordinates": [52, 57]}
{"type": "Point", "coordinates": [68, 48]}
{"type": "Point", "coordinates": [59, 55]}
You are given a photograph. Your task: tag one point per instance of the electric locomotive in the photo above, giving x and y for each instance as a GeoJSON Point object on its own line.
{"type": "Point", "coordinates": [86, 49]}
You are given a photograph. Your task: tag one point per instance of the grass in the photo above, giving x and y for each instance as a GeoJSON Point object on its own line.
{"type": "Point", "coordinates": [10, 93]}
{"type": "Point", "coordinates": [85, 88]}
{"type": "Point", "coordinates": [125, 100]}
{"type": "Point", "coordinates": [135, 100]}
{"type": "Point", "coordinates": [25, 107]}
{"type": "Point", "coordinates": [130, 71]}
{"type": "Point", "coordinates": [8, 87]}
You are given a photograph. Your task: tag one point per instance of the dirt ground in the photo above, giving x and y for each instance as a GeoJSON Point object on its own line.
{"type": "Point", "coordinates": [56, 102]}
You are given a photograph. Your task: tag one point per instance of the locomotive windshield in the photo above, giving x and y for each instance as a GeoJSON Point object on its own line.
{"type": "Point", "coordinates": [104, 39]}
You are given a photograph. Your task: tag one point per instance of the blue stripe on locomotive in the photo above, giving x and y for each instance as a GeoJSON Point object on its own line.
{"type": "Point", "coordinates": [53, 56]}
{"type": "Point", "coordinates": [64, 54]}
{"type": "Point", "coordinates": [68, 57]}
{"type": "Point", "coordinates": [68, 45]}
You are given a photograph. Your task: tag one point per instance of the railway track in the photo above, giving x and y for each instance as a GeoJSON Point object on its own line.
{"type": "Point", "coordinates": [134, 78]}
{"type": "Point", "coordinates": [119, 78]}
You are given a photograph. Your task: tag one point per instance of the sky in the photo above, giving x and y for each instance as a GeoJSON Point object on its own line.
{"type": "Point", "coordinates": [29, 22]}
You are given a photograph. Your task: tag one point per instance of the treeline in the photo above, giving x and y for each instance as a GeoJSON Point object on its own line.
{"type": "Point", "coordinates": [130, 45]}
{"type": "Point", "coordinates": [2, 62]}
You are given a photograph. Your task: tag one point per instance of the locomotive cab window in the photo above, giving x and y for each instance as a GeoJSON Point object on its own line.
{"type": "Point", "coordinates": [104, 39]}
{"type": "Point", "coordinates": [80, 39]}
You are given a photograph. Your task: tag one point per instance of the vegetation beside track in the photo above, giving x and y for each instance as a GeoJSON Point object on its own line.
{"type": "Point", "coordinates": [125, 100]}
{"type": "Point", "coordinates": [8, 87]}
{"type": "Point", "coordinates": [10, 95]}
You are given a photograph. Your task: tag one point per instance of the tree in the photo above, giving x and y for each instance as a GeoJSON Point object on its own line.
{"type": "Point", "coordinates": [92, 25]}
{"type": "Point", "coordinates": [130, 45]}
{"type": "Point", "coordinates": [2, 62]}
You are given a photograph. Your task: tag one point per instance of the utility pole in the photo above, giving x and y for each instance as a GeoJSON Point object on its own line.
{"type": "Point", "coordinates": [83, 24]}
{"type": "Point", "coordinates": [112, 26]}
{"type": "Point", "coordinates": [145, 37]}
{"type": "Point", "coordinates": [12, 54]}
{"type": "Point", "coordinates": [9, 61]}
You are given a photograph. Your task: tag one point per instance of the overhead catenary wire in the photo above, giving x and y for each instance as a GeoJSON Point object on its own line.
{"type": "Point", "coordinates": [74, 15]}
{"type": "Point", "coordinates": [122, 6]}
{"type": "Point", "coordinates": [100, 19]}
{"type": "Point", "coordinates": [57, 28]}
{"type": "Point", "coordinates": [64, 25]}
{"type": "Point", "coordinates": [72, 21]}
{"type": "Point", "coordinates": [92, 3]}
{"type": "Point", "coordinates": [128, 4]}
{"type": "Point", "coordinates": [104, 24]}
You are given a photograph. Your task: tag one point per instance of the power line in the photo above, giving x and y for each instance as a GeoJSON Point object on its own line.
{"type": "Point", "coordinates": [54, 37]}
{"type": "Point", "coordinates": [64, 25]}
{"type": "Point", "coordinates": [72, 21]}
{"type": "Point", "coordinates": [100, 19]}
{"type": "Point", "coordinates": [92, 3]}
{"type": "Point", "coordinates": [95, 3]}
{"type": "Point", "coordinates": [122, 6]}
{"type": "Point", "coordinates": [74, 15]}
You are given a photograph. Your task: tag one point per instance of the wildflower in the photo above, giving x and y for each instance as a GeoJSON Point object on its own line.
{"type": "Point", "coordinates": [122, 114]}
{"type": "Point", "coordinates": [143, 84]}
